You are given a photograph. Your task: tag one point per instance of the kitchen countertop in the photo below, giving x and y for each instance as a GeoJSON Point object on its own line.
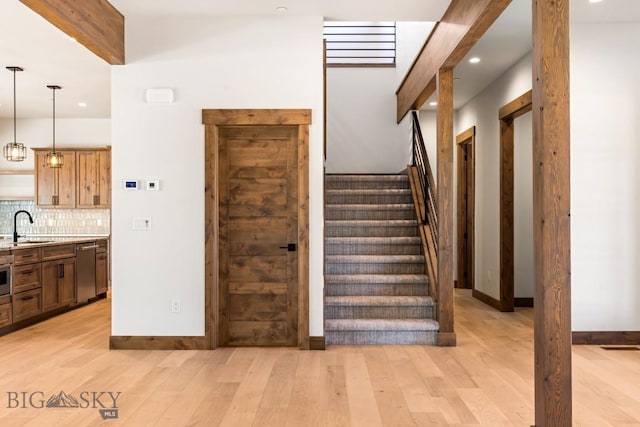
{"type": "Point", "coordinates": [31, 241]}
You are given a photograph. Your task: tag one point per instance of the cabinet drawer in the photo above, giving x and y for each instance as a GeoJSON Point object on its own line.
{"type": "Point", "coordinates": [26, 304]}
{"type": "Point", "coordinates": [27, 255]}
{"type": "Point", "coordinates": [5, 315]}
{"type": "Point", "coordinates": [26, 277]}
{"type": "Point", "coordinates": [58, 251]}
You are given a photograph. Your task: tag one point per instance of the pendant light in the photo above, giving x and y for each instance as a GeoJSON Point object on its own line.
{"type": "Point", "coordinates": [54, 159]}
{"type": "Point", "coordinates": [13, 151]}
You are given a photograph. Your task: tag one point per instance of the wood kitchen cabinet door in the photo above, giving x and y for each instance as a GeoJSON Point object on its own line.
{"type": "Point", "coordinates": [58, 283]}
{"type": "Point", "coordinates": [55, 187]}
{"type": "Point", "coordinates": [94, 178]}
{"type": "Point", "coordinates": [50, 295]}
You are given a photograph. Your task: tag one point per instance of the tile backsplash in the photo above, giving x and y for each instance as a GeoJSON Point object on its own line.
{"type": "Point", "coordinates": [54, 222]}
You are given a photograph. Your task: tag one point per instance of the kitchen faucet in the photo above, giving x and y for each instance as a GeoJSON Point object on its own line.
{"type": "Point", "coordinates": [15, 228]}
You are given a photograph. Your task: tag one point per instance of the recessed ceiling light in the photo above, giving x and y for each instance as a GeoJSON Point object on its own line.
{"type": "Point", "coordinates": [281, 9]}
{"type": "Point", "coordinates": [474, 60]}
{"type": "Point", "coordinates": [82, 104]}
{"type": "Point", "coordinates": [433, 103]}
{"type": "Point", "coordinates": [595, 1]}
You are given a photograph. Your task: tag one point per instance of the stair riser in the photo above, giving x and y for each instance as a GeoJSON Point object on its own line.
{"type": "Point", "coordinates": [378, 289]}
{"type": "Point", "coordinates": [363, 268]}
{"type": "Point", "coordinates": [362, 249]}
{"type": "Point", "coordinates": [365, 185]}
{"type": "Point", "coordinates": [371, 231]}
{"type": "Point", "coordinates": [380, 337]}
{"type": "Point", "coordinates": [366, 214]}
{"type": "Point", "coordinates": [358, 312]}
{"type": "Point", "coordinates": [364, 199]}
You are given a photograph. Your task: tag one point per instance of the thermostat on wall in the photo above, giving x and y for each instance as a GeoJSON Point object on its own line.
{"type": "Point", "coordinates": [130, 184]}
{"type": "Point", "coordinates": [152, 185]}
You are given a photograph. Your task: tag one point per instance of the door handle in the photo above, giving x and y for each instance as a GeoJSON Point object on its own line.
{"type": "Point", "coordinates": [291, 247]}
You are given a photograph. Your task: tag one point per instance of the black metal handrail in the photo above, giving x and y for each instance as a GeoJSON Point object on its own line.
{"type": "Point", "coordinates": [429, 211]}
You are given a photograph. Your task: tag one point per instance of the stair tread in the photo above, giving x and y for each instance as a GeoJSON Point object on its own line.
{"type": "Point", "coordinates": [365, 177]}
{"type": "Point", "coordinates": [381, 325]}
{"type": "Point", "coordinates": [372, 222]}
{"type": "Point", "coordinates": [375, 240]}
{"type": "Point", "coordinates": [378, 259]}
{"type": "Point", "coordinates": [376, 278]}
{"type": "Point", "coordinates": [370, 206]}
{"type": "Point", "coordinates": [368, 191]}
{"type": "Point", "coordinates": [379, 301]}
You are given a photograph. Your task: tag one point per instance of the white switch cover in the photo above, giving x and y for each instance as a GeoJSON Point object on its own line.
{"type": "Point", "coordinates": [141, 223]}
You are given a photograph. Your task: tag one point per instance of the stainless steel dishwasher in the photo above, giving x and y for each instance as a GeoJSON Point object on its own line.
{"type": "Point", "coordinates": [85, 271]}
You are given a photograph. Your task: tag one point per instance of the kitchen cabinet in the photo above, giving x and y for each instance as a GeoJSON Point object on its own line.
{"type": "Point", "coordinates": [55, 187]}
{"type": "Point", "coordinates": [93, 178]}
{"type": "Point", "coordinates": [6, 317]}
{"type": "Point", "coordinates": [58, 276]}
{"type": "Point", "coordinates": [102, 272]}
{"type": "Point", "coordinates": [26, 304]}
{"type": "Point", "coordinates": [84, 181]}
{"type": "Point", "coordinates": [27, 282]}
{"type": "Point", "coordinates": [58, 283]}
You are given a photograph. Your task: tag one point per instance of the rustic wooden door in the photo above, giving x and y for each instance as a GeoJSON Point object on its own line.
{"type": "Point", "coordinates": [258, 228]}
{"type": "Point", "coordinates": [466, 209]}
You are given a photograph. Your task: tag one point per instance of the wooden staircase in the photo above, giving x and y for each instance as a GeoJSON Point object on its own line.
{"type": "Point", "coordinates": [376, 290]}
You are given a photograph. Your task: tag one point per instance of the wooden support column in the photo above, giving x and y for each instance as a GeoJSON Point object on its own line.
{"type": "Point", "coordinates": [95, 24]}
{"type": "Point", "coordinates": [551, 210]}
{"type": "Point", "coordinates": [444, 86]}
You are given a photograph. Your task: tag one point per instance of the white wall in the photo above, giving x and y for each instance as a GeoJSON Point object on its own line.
{"type": "Point", "coordinates": [523, 262]}
{"type": "Point", "coordinates": [362, 134]}
{"type": "Point", "coordinates": [482, 112]}
{"type": "Point", "coordinates": [210, 62]}
{"type": "Point", "coordinates": [605, 182]}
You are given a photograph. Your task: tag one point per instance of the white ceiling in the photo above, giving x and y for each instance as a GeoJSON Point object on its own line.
{"type": "Point", "coordinates": [50, 57]}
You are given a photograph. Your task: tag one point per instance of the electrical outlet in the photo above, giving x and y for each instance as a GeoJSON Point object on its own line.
{"type": "Point", "coordinates": [175, 306]}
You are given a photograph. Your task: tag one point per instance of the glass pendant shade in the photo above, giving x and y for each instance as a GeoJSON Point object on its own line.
{"type": "Point", "coordinates": [14, 151]}
{"type": "Point", "coordinates": [54, 159]}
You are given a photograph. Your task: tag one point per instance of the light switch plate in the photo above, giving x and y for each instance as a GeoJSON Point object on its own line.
{"type": "Point", "coordinates": [141, 223]}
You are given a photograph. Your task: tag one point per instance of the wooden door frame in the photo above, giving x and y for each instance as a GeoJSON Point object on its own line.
{"type": "Point", "coordinates": [507, 115]}
{"type": "Point", "coordinates": [213, 119]}
{"type": "Point", "coordinates": [466, 138]}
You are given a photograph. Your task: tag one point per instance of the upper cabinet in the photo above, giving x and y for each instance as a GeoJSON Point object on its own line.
{"type": "Point", "coordinates": [55, 187]}
{"type": "Point", "coordinates": [84, 181]}
{"type": "Point", "coordinates": [93, 178]}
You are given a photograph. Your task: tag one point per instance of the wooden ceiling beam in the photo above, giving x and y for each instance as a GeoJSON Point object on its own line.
{"type": "Point", "coordinates": [461, 26]}
{"type": "Point", "coordinates": [95, 24]}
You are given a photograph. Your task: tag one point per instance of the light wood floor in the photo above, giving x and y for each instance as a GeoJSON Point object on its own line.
{"type": "Point", "coordinates": [486, 380]}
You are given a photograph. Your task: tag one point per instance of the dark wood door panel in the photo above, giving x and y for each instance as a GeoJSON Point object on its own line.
{"type": "Point", "coordinates": [258, 216]}
{"type": "Point", "coordinates": [264, 333]}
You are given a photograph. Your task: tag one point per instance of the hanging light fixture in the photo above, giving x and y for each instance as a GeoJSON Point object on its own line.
{"type": "Point", "coordinates": [54, 159]}
{"type": "Point", "coordinates": [13, 151]}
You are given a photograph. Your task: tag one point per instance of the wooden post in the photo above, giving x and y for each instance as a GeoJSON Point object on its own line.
{"type": "Point", "coordinates": [551, 221]}
{"type": "Point", "coordinates": [444, 86]}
